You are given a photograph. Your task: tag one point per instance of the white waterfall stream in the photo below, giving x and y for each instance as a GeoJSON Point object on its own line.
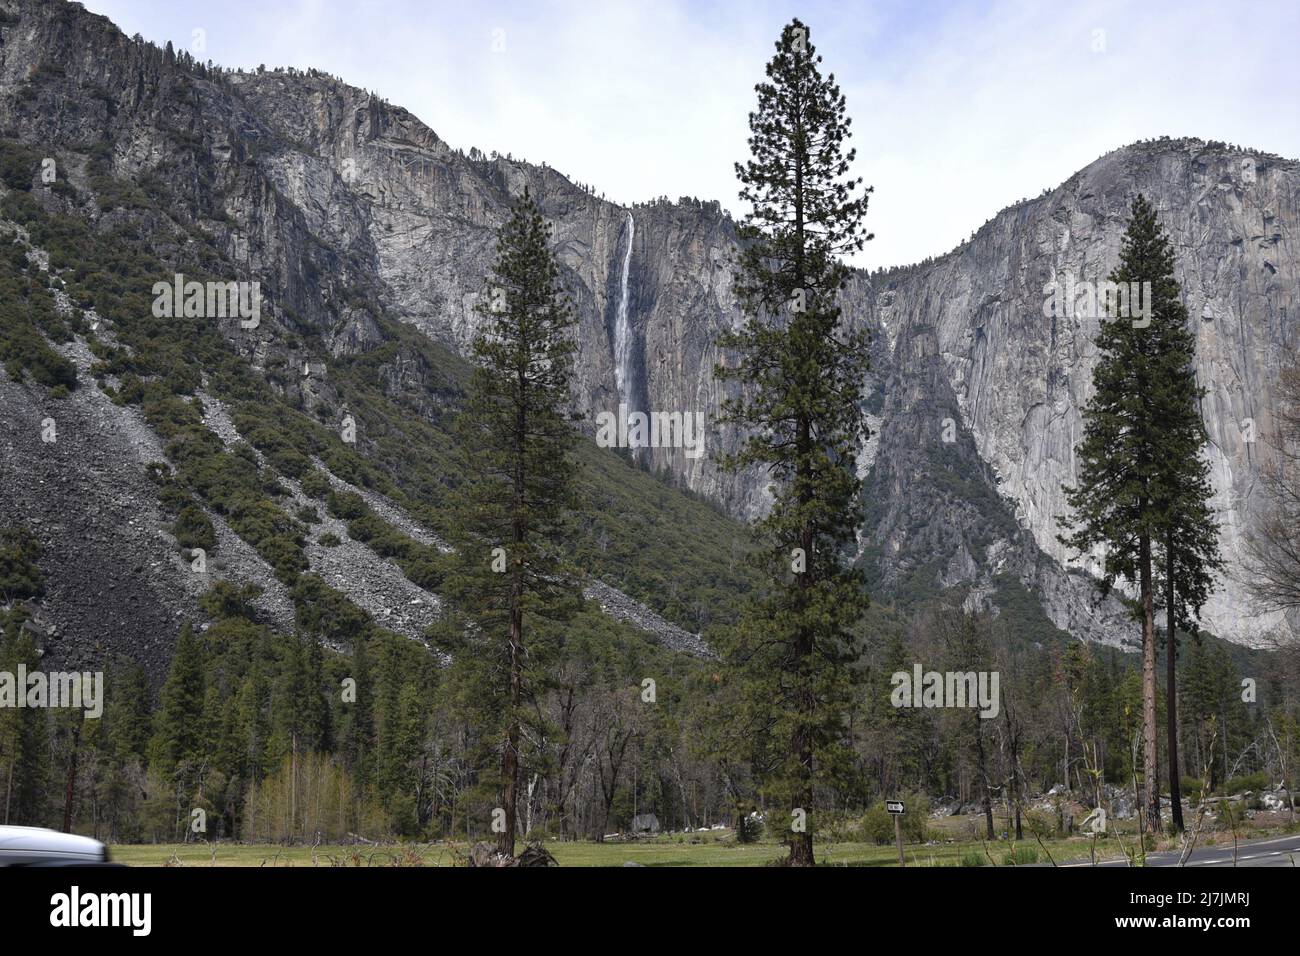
{"type": "Point", "coordinates": [622, 331]}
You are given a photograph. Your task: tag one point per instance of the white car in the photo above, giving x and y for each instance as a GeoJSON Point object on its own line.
{"type": "Point", "coordinates": [34, 846]}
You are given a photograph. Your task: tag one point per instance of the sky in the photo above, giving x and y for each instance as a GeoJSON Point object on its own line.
{"type": "Point", "coordinates": [959, 109]}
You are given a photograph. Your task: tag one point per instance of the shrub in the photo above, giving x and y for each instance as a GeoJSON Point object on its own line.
{"type": "Point", "coordinates": [878, 823]}
{"type": "Point", "coordinates": [20, 577]}
{"type": "Point", "coordinates": [130, 390]}
{"type": "Point", "coordinates": [315, 484]}
{"type": "Point", "coordinates": [1022, 855]}
{"type": "Point", "coordinates": [273, 533]}
{"type": "Point", "coordinates": [193, 529]}
{"type": "Point", "coordinates": [382, 538]}
{"type": "Point", "coordinates": [18, 167]}
{"type": "Point", "coordinates": [1254, 781]}
{"type": "Point", "coordinates": [226, 600]}
{"type": "Point", "coordinates": [1040, 822]}
{"type": "Point", "coordinates": [1230, 813]}
{"type": "Point", "coordinates": [346, 505]}
{"type": "Point", "coordinates": [426, 571]}
{"type": "Point", "coordinates": [320, 610]}
{"type": "Point", "coordinates": [23, 348]}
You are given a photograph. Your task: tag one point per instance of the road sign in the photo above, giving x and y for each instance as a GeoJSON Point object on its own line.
{"type": "Point", "coordinates": [895, 808]}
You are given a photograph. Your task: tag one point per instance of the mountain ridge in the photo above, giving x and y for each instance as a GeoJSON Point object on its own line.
{"type": "Point", "coordinates": [347, 206]}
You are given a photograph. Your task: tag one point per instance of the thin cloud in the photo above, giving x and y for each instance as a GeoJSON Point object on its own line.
{"type": "Point", "coordinates": [959, 109]}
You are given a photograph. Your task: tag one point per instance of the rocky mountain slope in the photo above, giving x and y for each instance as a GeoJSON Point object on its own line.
{"type": "Point", "coordinates": [1018, 379]}
{"type": "Point", "coordinates": [348, 209]}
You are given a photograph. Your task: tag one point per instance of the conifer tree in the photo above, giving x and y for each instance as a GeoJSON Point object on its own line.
{"type": "Point", "coordinates": [1143, 489]}
{"type": "Point", "coordinates": [301, 713]}
{"type": "Point", "coordinates": [178, 726]}
{"type": "Point", "coordinates": [1215, 712]}
{"type": "Point", "coordinates": [1189, 540]}
{"type": "Point", "coordinates": [401, 738]}
{"type": "Point", "coordinates": [1189, 552]}
{"type": "Point", "coordinates": [179, 742]}
{"type": "Point", "coordinates": [24, 755]}
{"type": "Point", "coordinates": [358, 731]}
{"type": "Point", "coordinates": [127, 712]}
{"type": "Point", "coordinates": [516, 436]}
{"type": "Point", "coordinates": [253, 718]}
{"type": "Point", "coordinates": [802, 371]}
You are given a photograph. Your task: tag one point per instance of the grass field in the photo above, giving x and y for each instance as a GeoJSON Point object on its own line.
{"type": "Point", "coordinates": [662, 852]}
{"type": "Point", "coordinates": [952, 845]}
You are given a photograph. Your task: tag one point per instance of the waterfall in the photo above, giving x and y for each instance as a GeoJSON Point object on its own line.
{"type": "Point", "coordinates": [622, 332]}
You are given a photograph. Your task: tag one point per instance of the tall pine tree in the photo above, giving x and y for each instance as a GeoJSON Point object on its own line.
{"type": "Point", "coordinates": [802, 371]}
{"type": "Point", "coordinates": [24, 748]}
{"type": "Point", "coordinates": [1189, 545]}
{"type": "Point", "coordinates": [1143, 489]}
{"type": "Point", "coordinates": [179, 733]}
{"type": "Point", "coordinates": [517, 437]}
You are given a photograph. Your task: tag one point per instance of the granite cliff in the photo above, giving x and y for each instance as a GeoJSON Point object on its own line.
{"type": "Point", "coordinates": [345, 206]}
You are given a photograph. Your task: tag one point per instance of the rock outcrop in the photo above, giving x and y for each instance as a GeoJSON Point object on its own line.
{"type": "Point", "coordinates": [1019, 379]}
{"type": "Point", "coordinates": [334, 199]}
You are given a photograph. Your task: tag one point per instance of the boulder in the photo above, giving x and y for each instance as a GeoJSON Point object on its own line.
{"type": "Point", "coordinates": [535, 855]}
{"type": "Point", "coordinates": [1274, 800]}
{"type": "Point", "coordinates": [486, 854]}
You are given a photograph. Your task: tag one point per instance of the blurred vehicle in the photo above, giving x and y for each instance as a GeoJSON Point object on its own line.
{"type": "Point", "coordinates": [36, 846]}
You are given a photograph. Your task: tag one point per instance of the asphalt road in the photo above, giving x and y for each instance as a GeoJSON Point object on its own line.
{"type": "Point", "coordinates": [1276, 851]}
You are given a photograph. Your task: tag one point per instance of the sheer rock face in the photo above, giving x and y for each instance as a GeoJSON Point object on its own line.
{"type": "Point", "coordinates": [1020, 379]}
{"type": "Point", "coordinates": [334, 199]}
{"type": "Point", "coordinates": [423, 219]}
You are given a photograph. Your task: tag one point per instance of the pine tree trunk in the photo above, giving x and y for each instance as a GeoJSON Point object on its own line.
{"type": "Point", "coordinates": [1171, 694]}
{"type": "Point", "coordinates": [293, 789]}
{"type": "Point", "coordinates": [1150, 765]}
{"type": "Point", "coordinates": [70, 788]}
{"type": "Point", "coordinates": [987, 803]}
{"type": "Point", "coordinates": [801, 843]}
{"type": "Point", "coordinates": [510, 756]}
{"type": "Point", "coordinates": [561, 798]}
{"type": "Point", "coordinates": [1013, 785]}
{"type": "Point", "coordinates": [1065, 759]}
{"type": "Point", "coordinates": [1223, 717]}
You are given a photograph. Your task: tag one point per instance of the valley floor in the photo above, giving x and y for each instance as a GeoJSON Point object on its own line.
{"type": "Point", "coordinates": [715, 850]}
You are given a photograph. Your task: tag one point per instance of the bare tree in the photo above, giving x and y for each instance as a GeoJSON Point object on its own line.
{"type": "Point", "coordinates": [1273, 546]}
{"type": "Point", "coordinates": [573, 744]}
{"type": "Point", "coordinates": [616, 721]}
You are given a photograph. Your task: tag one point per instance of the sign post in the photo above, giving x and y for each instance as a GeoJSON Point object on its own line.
{"type": "Point", "coordinates": [895, 808]}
